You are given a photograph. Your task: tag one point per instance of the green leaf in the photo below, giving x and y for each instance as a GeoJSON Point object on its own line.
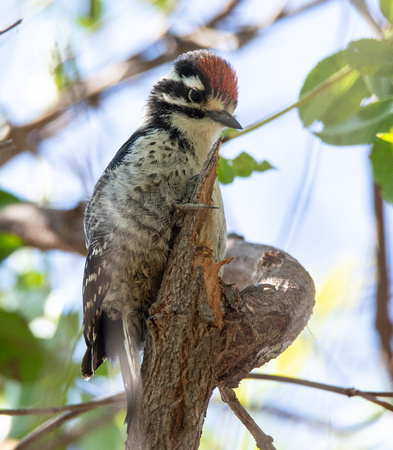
{"type": "Point", "coordinates": [8, 244]}
{"type": "Point", "coordinates": [225, 172]}
{"type": "Point", "coordinates": [21, 353]}
{"type": "Point", "coordinates": [338, 101]}
{"type": "Point", "coordinates": [244, 165]}
{"type": "Point", "coordinates": [164, 5]}
{"type": "Point", "coordinates": [94, 16]}
{"type": "Point", "coordinates": [388, 137]}
{"type": "Point", "coordinates": [362, 127]}
{"type": "Point", "coordinates": [6, 198]}
{"type": "Point", "coordinates": [382, 87]}
{"type": "Point", "coordinates": [387, 9]}
{"type": "Point", "coordinates": [382, 164]}
{"type": "Point", "coordinates": [59, 370]}
{"type": "Point", "coordinates": [241, 166]}
{"type": "Point", "coordinates": [370, 57]}
{"type": "Point", "coordinates": [107, 436]}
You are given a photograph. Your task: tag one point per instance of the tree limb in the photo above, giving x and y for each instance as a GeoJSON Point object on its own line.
{"type": "Point", "coordinates": [349, 392]}
{"type": "Point", "coordinates": [45, 228]}
{"type": "Point", "coordinates": [262, 440]}
{"type": "Point", "coordinates": [119, 399]}
{"type": "Point", "coordinates": [77, 407]}
{"type": "Point", "coordinates": [265, 317]}
{"type": "Point", "coordinates": [47, 427]}
{"type": "Point", "coordinates": [383, 323]}
{"type": "Point", "coordinates": [17, 23]}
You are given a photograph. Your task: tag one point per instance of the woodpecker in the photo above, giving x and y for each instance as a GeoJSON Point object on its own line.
{"type": "Point", "coordinates": [128, 221]}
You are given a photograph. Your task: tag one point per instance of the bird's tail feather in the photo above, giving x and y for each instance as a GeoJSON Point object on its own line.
{"type": "Point", "coordinates": [130, 365]}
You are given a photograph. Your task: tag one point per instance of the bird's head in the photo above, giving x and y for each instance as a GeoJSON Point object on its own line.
{"type": "Point", "coordinates": [198, 96]}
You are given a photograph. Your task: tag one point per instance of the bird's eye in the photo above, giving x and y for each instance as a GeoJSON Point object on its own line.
{"type": "Point", "coordinates": [195, 96]}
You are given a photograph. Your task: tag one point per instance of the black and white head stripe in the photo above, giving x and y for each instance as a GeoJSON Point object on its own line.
{"type": "Point", "coordinates": [196, 76]}
{"type": "Point", "coordinates": [199, 85]}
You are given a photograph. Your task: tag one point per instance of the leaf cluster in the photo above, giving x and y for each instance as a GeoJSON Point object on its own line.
{"type": "Point", "coordinates": [358, 108]}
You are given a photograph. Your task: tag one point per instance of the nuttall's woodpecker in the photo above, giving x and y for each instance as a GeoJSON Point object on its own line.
{"type": "Point", "coordinates": [128, 221]}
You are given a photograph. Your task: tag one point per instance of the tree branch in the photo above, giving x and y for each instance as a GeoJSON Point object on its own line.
{"type": "Point", "coordinates": [383, 323]}
{"type": "Point", "coordinates": [264, 318]}
{"type": "Point", "coordinates": [45, 228]}
{"type": "Point", "coordinates": [17, 23]}
{"type": "Point", "coordinates": [77, 407]}
{"type": "Point", "coordinates": [349, 392]}
{"type": "Point", "coordinates": [47, 427]}
{"type": "Point", "coordinates": [68, 412]}
{"type": "Point", "coordinates": [262, 440]}
{"type": "Point", "coordinates": [119, 399]}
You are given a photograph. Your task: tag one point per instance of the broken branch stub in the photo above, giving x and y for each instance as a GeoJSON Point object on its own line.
{"type": "Point", "coordinates": [264, 318]}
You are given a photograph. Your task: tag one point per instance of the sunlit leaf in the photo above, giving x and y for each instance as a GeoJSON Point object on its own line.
{"type": "Point", "coordinates": [164, 5]}
{"type": "Point", "coordinates": [388, 137]}
{"type": "Point", "coordinates": [31, 280]}
{"type": "Point", "coordinates": [337, 102]}
{"type": "Point", "coordinates": [65, 71]}
{"type": "Point", "coordinates": [8, 244]}
{"type": "Point", "coordinates": [241, 166]}
{"type": "Point", "coordinates": [370, 57]}
{"type": "Point", "coordinates": [225, 172]}
{"type": "Point", "coordinates": [382, 163]}
{"type": "Point", "coordinates": [362, 127]}
{"type": "Point", "coordinates": [21, 353]}
{"type": "Point", "coordinates": [92, 19]}
{"type": "Point", "coordinates": [387, 9]}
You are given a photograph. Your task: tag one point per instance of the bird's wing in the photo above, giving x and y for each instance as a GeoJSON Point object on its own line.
{"type": "Point", "coordinates": [97, 329]}
{"type": "Point", "coordinates": [96, 282]}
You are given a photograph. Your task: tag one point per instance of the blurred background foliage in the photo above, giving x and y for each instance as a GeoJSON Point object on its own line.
{"type": "Point", "coordinates": [74, 78]}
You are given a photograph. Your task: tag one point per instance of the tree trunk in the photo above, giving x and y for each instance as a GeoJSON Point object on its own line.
{"type": "Point", "coordinates": [203, 333]}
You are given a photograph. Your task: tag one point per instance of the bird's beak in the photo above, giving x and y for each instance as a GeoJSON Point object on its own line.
{"type": "Point", "coordinates": [225, 118]}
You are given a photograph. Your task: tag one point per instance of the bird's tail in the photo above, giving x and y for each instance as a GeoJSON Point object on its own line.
{"type": "Point", "coordinates": [130, 365]}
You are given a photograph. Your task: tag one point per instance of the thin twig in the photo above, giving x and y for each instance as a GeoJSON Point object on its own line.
{"type": "Point", "coordinates": [227, 11]}
{"type": "Point", "coordinates": [364, 11]}
{"type": "Point", "coordinates": [56, 422]}
{"type": "Point", "coordinates": [76, 432]}
{"type": "Point", "coordinates": [82, 407]}
{"type": "Point", "coordinates": [349, 392]}
{"type": "Point", "coordinates": [383, 324]}
{"type": "Point", "coordinates": [302, 100]}
{"type": "Point", "coordinates": [18, 22]}
{"type": "Point", "coordinates": [262, 440]}
{"type": "Point", "coordinates": [303, 8]}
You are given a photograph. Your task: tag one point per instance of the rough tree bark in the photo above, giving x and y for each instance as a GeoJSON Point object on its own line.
{"type": "Point", "coordinates": [204, 333]}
